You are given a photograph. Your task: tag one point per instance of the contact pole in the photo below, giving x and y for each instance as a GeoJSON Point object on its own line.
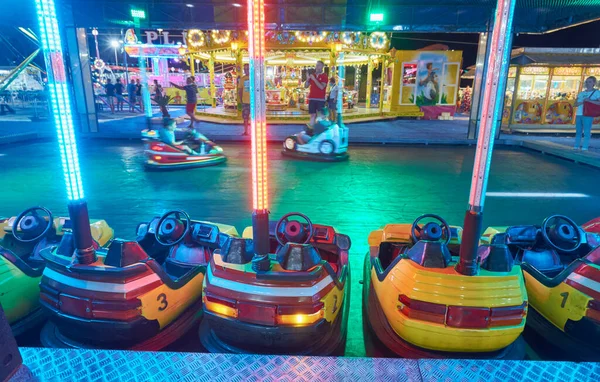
{"type": "Point", "coordinates": [260, 214]}
{"type": "Point", "coordinates": [498, 60]}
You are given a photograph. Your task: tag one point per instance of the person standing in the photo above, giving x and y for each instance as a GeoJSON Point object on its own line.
{"type": "Point", "coordinates": [109, 87]}
{"type": "Point", "coordinates": [317, 82]}
{"type": "Point", "coordinates": [332, 99]}
{"type": "Point", "coordinates": [244, 96]}
{"type": "Point", "coordinates": [584, 123]}
{"type": "Point", "coordinates": [132, 95]}
{"type": "Point", "coordinates": [119, 95]}
{"type": "Point", "coordinates": [138, 94]}
{"type": "Point", "coordinates": [158, 90]}
{"type": "Point", "coordinates": [191, 95]}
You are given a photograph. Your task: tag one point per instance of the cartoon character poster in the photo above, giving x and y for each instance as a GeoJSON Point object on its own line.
{"type": "Point", "coordinates": [429, 81]}
{"type": "Point", "coordinates": [528, 112]}
{"type": "Point", "coordinates": [429, 78]}
{"type": "Point", "coordinates": [560, 113]}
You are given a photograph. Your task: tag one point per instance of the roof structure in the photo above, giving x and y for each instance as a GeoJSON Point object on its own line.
{"type": "Point", "coordinates": [555, 56]}
{"type": "Point", "coordinates": [531, 16]}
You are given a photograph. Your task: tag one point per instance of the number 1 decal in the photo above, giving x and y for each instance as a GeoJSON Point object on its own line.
{"type": "Point", "coordinates": [162, 298]}
{"type": "Point", "coordinates": [564, 295]}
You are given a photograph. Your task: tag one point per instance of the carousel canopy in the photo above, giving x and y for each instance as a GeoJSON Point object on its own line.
{"type": "Point", "coordinates": [531, 16]}
{"type": "Point", "coordinates": [283, 48]}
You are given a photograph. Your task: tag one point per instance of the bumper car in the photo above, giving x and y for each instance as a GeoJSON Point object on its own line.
{"type": "Point", "coordinates": [561, 266]}
{"type": "Point", "coordinates": [299, 306]}
{"type": "Point", "coordinates": [417, 305]}
{"type": "Point", "coordinates": [22, 238]}
{"type": "Point", "coordinates": [161, 156]}
{"type": "Point", "coordinates": [328, 146]}
{"type": "Point", "coordinates": [140, 295]}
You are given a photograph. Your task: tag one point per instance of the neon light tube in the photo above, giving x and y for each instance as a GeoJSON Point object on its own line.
{"type": "Point", "coordinates": [256, 49]}
{"type": "Point", "coordinates": [498, 61]}
{"type": "Point", "coordinates": [59, 96]}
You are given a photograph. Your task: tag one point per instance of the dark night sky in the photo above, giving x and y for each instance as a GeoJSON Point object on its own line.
{"type": "Point", "coordinates": [582, 36]}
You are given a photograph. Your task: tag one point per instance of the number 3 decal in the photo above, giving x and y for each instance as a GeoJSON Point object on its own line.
{"type": "Point", "coordinates": [162, 298]}
{"type": "Point", "coordinates": [564, 295]}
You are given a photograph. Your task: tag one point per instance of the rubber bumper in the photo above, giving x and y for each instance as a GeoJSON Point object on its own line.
{"type": "Point", "coordinates": [213, 161]}
{"type": "Point", "coordinates": [580, 341]}
{"type": "Point", "coordinates": [315, 157]}
{"type": "Point", "coordinates": [141, 334]}
{"type": "Point", "coordinates": [219, 334]}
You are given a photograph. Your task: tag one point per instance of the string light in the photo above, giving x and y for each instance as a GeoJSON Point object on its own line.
{"type": "Point", "coordinates": [378, 40]}
{"type": "Point", "coordinates": [351, 37]}
{"type": "Point", "coordinates": [311, 37]}
{"type": "Point", "coordinates": [195, 38]}
{"type": "Point", "coordinates": [220, 37]}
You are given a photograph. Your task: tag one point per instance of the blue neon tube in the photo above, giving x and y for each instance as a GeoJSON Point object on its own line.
{"type": "Point", "coordinates": [59, 96]}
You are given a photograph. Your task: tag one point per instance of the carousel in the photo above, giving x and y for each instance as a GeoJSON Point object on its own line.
{"type": "Point", "coordinates": [289, 58]}
{"type": "Point", "coordinates": [389, 83]}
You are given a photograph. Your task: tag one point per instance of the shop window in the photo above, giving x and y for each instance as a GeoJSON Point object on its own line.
{"type": "Point", "coordinates": [531, 95]}
{"type": "Point", "coordinates": [450, 74]}
{"type": "Point", "coordinates": [408, 84]}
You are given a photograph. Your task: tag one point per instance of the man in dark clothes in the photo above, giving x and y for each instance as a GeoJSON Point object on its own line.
{"type": "Point", "coordinates": [110, 94]}
{"type": "Point", "coordinates": [191, 95]}
{"type": "Point", "coordinates": [119, 95]}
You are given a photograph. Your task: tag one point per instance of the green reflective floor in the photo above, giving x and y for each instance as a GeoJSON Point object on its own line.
{"type": "Point", "coordinates": [378, 185]}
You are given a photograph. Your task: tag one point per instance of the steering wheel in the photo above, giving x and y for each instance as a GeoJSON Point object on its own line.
{"type": "Point", "coordinates": [32, 224]}
{"type": "Point", "coordinates": [293, 230]}
{"type": "Point", "coordinates": [431, 231]}
{"type": "Point", "coordinates": [172, 230]}
{"type": "Point", "coordinates": [567, 232]}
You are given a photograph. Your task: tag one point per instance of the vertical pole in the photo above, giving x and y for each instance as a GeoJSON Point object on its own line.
{"type": "Point", "coordinates": [192, 65]}
{"type": "Point", "coordinates": [60, 100]}
{"type": "Point", "coordinates": [478, 84]}
{"type": "Point", "coordinates": [84, 105]}
{"type": "Point", "coordinates": [211, 77]}
{"type": "Point", "coordinates": [493, 100]}
{"type": "Point", "coordinates": [369, 81]}
{"type": "Point", "coordinates": [260, 215]}
{"type": "Point", "coordinates": [340, 98]}
{"type": "Point", "coordinates": [142, 63]}
{"type": "Point", "coordinates": [239, 68]}
{"type": "Point", "coordinates": [125, 61]}
{"type": "Point", "coordinates": [514, 97]}
{"type": "Point", "coordinates": [332, 61]}
{"type": "Point", "coordinates": [383, 73]}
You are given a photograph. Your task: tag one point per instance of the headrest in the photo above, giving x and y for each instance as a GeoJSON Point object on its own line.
{"type": "Point", "coordinates": [237, 251]}
{"type": "Point", "coordinates": [495, 257]}
{"type": "Point", "coordinates": [521, 235]}
{"type": "Point", "coordinates": [298, 257]}
{"type": "Point", "coordinates": [430, 254]}
{"type": "Point", "coordinates": [122, 253]}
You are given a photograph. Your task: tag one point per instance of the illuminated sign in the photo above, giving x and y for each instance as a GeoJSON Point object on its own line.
{"type": "Point", "coordinates": [376, 17]}
{"type": "Point", "coordinates": [535, 70]}
{"type": "Point", "coordinates": [138, 13]}
{"type": "Point", "coordinates": [568, 71]}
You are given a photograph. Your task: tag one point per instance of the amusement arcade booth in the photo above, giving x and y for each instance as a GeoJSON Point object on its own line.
{"type": "Point", "coordinates": [542, 88]}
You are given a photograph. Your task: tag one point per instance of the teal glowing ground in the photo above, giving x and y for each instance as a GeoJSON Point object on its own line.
{"type": "Point", "coordinates": [378, 185]}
